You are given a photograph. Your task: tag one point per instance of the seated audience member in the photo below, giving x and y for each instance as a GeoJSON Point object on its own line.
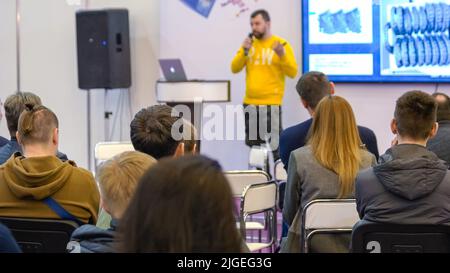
{"type": "Point", "coordinates": [440, 143]}
{"type": "Point", "coordinates": [38, 184]}
{"type": "Point", "coordinates": [181, 205]}
{"type": "Point", "coordinates": [117, 178]}
{"type": "Point", "coordinates": [312, 87]}
{"type": "Point", "coordinates": [151, 133]}
{"type": "Point", "coordinates": [7, 242]}
{"type": "Point", "coordinates": [3, 141]}
{"type": "Point", "coordinates": [14, 106]}
{"type": "Point", "coordinates": [411, 185]}
{"type": "Point", "coordinates": [325, 168]}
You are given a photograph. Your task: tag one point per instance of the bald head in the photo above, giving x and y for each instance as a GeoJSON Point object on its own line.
{"type": "Point", "coordinates": [443, 110]}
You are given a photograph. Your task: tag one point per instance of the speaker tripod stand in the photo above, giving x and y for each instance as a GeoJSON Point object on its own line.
{"type": "Point", "coordinates": [123, 102]}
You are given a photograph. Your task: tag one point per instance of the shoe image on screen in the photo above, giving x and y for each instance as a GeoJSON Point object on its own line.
{"type": "Point", "coordinates": [377, 40]}
{"type": "Point", "coordinates": [341, 22]}
{"type": "Point", "coordinates": [416, 38]}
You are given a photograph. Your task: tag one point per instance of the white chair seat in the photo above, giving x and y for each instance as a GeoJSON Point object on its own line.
{"type": "Point", "coordinates": [252, 226]}
{"type": "Point", "coordinates": [258, 246]}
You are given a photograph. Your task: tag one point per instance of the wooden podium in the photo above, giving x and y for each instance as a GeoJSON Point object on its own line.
{"type": "Point", "coordinates": [193, 94]}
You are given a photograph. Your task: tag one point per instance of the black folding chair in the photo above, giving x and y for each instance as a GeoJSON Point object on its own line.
{"type": "Point", "coordinates": [40, 235]}
{"type": "Point", "coordinates": [369, 237]}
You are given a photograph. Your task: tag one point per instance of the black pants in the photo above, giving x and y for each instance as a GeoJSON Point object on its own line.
{"type": "Point", "coordinates": [263, 125]}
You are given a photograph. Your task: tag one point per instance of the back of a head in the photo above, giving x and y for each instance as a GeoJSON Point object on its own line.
{"type": "Point", "coordinates": [335, 140]}
{"type": "Point", "coordinates": [443, 110]}
{"type": "Point", "coordinates": [15, 105]}
{"type": "Point", "coordinates": [118, 179]}
{"type": "Point", "coordinates": [36, 125]}
{"type": "Point", "coordinates": [151, 131]}
{"type": "Point", "coordinates": [313, 87]}
{"type": "Point", "coordinates": [415, 115]}
{"type": "Point", "coordinates": [181, 205]}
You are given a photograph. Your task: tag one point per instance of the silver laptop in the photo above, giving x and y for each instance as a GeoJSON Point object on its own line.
{"type": "Point", "coordinates": [173, 70]}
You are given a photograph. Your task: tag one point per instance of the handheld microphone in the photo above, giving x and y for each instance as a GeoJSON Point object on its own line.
{"type": "Point", "coordinates": [250, 35]}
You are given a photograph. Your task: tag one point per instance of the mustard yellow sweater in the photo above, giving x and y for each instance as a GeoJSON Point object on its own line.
{"type": "Point", "coordinates": [266, 71]}
{"type": "Point", "coordinates": [25, 182]}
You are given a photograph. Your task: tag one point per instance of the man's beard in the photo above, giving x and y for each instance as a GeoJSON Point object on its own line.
{"type": "Point", "coordinates": [259, 35]}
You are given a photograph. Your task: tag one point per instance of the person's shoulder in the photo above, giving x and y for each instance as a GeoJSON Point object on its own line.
{"type": "Point", "coordinates": [3, 229]}
{"type": "Point", "coordinates": [444, 130]}
{"type": "Point", "coordinates": [366, 175]}
{"type": "Point", "coordinates": [304, 152]}
{"type": "Point", "coordinates": [366, 131]}
{"type": "Point", "coordinates": [3, 141]}
{"type": "Point", "coordinates": [367, 158]}
{"type": "Point", "coordinates": [298, 129]}
{"type": "Point", "coordinates": [365, 153]}
{"type": "Point", "coordinates": [8, 148]}
{"type": "Point", "coordinates": [62, 156]}
{"type": "Point", "coordinates": [288, 132]}
{"type": "Point", "coordinates": [91, 239]}
{"type": "Point", "coordinates": [90, 231]}
{"type": "Point", "coordinates": [80, 171]}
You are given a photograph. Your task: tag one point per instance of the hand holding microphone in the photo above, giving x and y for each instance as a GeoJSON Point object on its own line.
{"type": "Point", "coordinates": [248, 43]}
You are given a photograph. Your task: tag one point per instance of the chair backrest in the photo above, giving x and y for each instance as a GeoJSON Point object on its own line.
{"type": "Point", "coordinates": [239, 180]}
{"type": "Point", "coordinates": [107, 150]}
{"type": "Point", "coordinates": [327, 216]}
{"type": "Point", "coordinates": [279, 172]}
{"type": "Point", "coordinates": [280, 175]}
{"type": "Point", "coordinates": [258, 198]}
{"type": "Point", "coordinates": [369, 237]}
{"type": "Point", "coordinates": [40, 235]}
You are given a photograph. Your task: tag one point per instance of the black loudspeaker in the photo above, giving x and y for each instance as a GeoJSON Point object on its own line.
{"type": "Point", "coordinates": [103, 46]}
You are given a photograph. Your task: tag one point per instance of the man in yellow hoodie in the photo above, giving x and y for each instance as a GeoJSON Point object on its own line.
{"type": "Point", "coordinates": [267, 59]}
{"type": "Point", "coordinates": [40, 185]}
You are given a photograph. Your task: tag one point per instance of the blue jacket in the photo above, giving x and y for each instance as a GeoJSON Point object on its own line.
{"type": "Point", "coordinates": [3, 141]}
{"type": "Point", "coordinates": [91, 239]}
{"type": "Point", "coordinates": [13, 146]}
{"type": "Point", "coordinates": [7, 242]}
{"type": "Point", "coordinates": [294, 137]}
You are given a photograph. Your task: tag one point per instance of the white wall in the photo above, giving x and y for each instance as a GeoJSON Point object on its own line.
{"type": "Point", "coordinates": [7, 54]}
{"type": "Point", "coordinates": [49, 66]}
{"type": "Point", "coordinates": [206, 47]}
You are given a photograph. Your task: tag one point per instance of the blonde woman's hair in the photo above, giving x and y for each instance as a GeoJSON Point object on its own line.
{"type": "Point", "coordinates": [335, 141]}
{"type": "Point", "coordinates": [118, 178]}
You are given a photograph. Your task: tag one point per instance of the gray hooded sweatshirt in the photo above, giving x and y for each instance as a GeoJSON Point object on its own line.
{"type": "Point", "coordinates": [411, 185]}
